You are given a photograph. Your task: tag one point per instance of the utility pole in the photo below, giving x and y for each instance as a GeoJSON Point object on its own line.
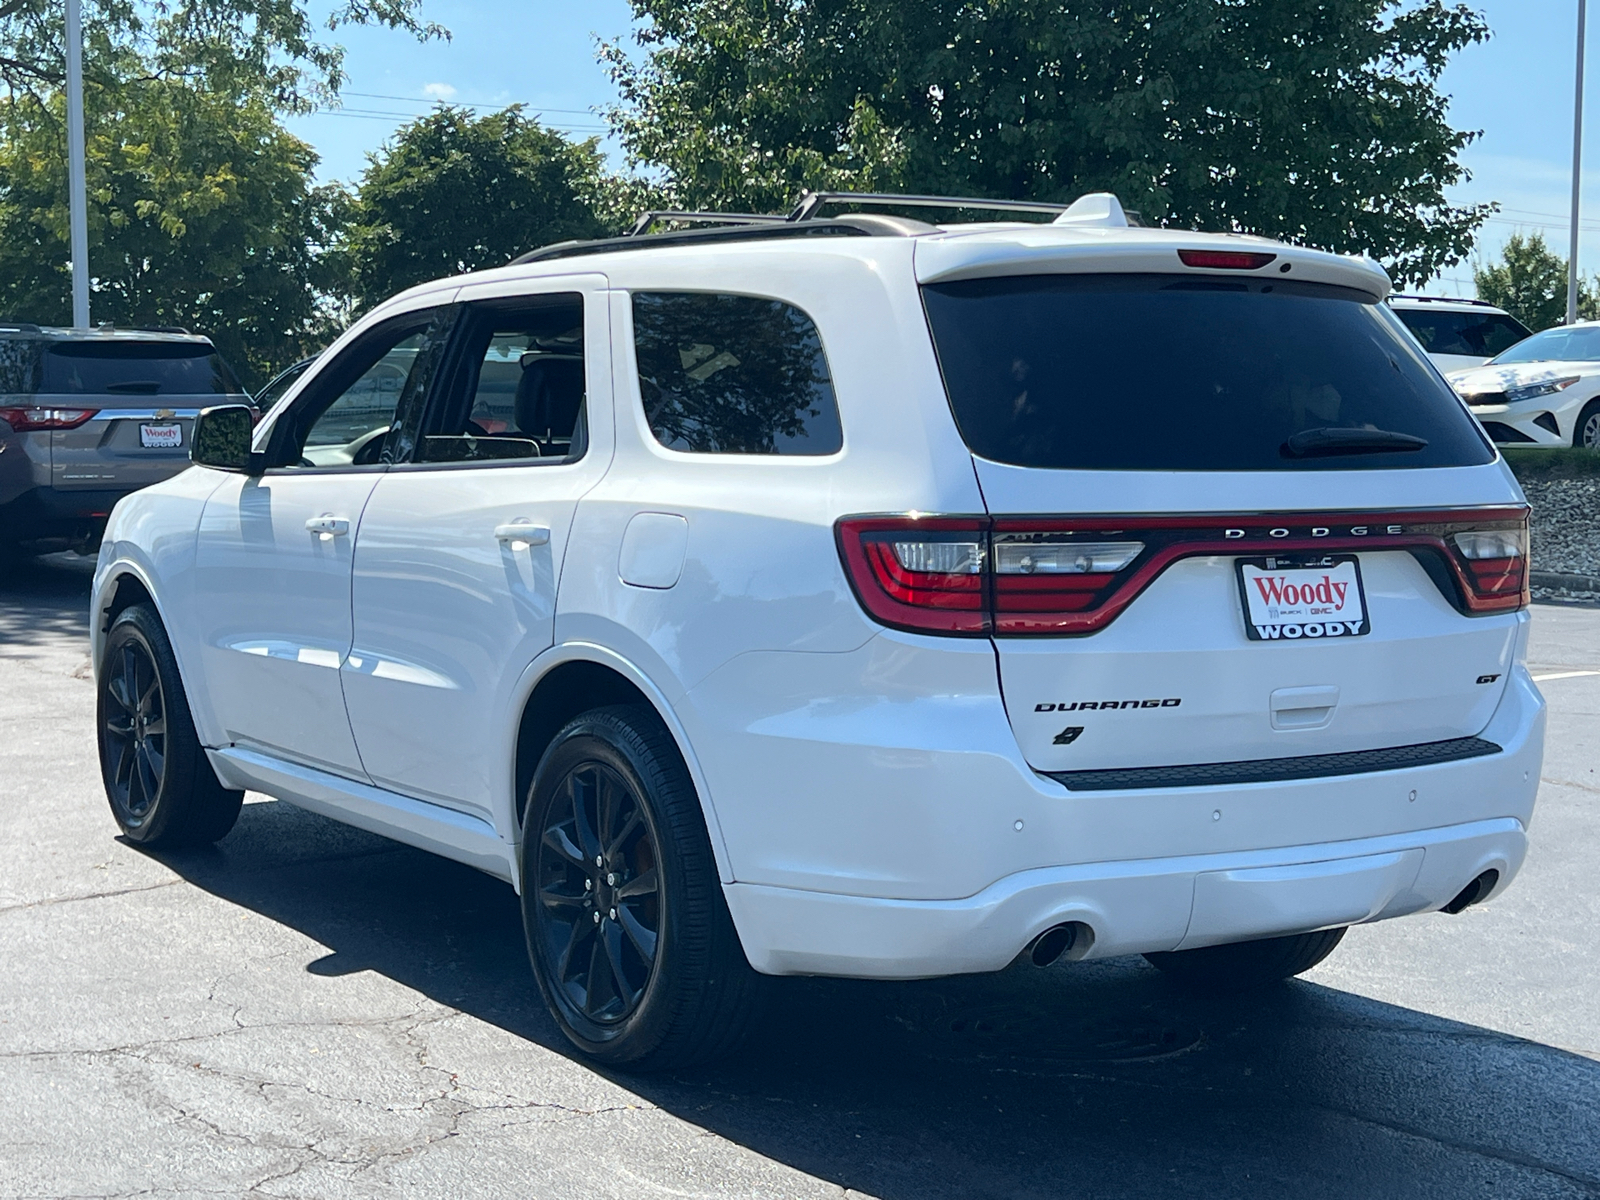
{"type": "Point", "coordinates": [77, 198]}
{"type": "Point", "coordinates": [1577, 167]}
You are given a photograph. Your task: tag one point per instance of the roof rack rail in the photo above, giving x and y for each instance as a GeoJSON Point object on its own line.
{"type": "Point", "coordinates": [20, 327]}
{"type": "Point", "coordinates": [688, 237]}
{"type": "Point", "coordinates": [701, 218]}
{"type": "Point", "coordinates": [113, 327]}
{"type": "Point", "coordinates": [1442, 299]}
{"type": "Point", "coordinates": [811, 203]}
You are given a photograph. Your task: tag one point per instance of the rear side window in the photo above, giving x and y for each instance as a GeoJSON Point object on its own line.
{"type": "Point", "coordinates": [20, 359]}
{"type": "Point", "coordinates": [1158, 373]}
{"type": "Point", "coordinates": [721, 374]}
{"type": "Point", "coordinates": [121, 368]}
{"type": "Point", "coordinates": [1463, 333]}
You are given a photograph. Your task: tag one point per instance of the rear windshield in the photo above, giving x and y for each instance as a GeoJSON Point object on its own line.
{"type": "Point", "coordinates": [124, 368]}
{"type": "Point", "coordinates": [1157, 373]}
{"type": "Point", "coordinates": [1474, 335]}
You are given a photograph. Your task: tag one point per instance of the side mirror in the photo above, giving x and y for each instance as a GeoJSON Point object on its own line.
{"type": "Point", "coordinates": [221, 439]}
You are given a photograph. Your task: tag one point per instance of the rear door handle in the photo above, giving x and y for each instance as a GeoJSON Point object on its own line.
{"type": "Point", "coordinates": [525, 532]}
{"type": "Point", "coordinates": [328, 526]}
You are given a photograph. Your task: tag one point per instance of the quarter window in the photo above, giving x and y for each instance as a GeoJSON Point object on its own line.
{"type": "Point", "coordinates": [724, 374]}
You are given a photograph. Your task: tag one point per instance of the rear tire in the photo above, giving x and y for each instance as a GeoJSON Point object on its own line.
{"type": "Point", "coordinates": [162, 790]}
{"type": "Point", "coordinates": [1586, 433]}
{"type": "Point", "coordinates": [636, 955]}
{"type": "Point", "coordinates": [1244, 966]}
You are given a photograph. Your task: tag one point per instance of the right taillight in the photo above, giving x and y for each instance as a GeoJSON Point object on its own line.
{"type": "Point", "coordinates": [1492, 565]}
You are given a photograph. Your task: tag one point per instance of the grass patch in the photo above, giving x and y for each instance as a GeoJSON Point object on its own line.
{"type": "Point", "coordinates": [1566, 463]}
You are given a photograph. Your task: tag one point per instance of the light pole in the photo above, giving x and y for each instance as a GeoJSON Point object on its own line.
{"type": "Point", "coordinates": [77, 199]}
{"type": "Point", "coordinates": [1577, 167]}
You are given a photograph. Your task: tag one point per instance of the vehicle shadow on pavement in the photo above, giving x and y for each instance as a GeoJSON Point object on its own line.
{"type": "Point", "coordinates": [1085, 1080]}
{"type": "Point", "coordinates": [44, 599]}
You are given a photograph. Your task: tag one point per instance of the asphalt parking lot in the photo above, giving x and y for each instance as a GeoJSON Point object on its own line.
{"type": "Point", "coordinates": [308, 1010]}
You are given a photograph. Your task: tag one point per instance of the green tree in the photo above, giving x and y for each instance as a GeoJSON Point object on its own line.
{"type": "Point", "coordinates": [1320, 124]}
{"type": "Point", "coordinates": [202, 213]}
{"type": "Point", "coordinates": [1530, 283]}
{"type": "Point", "coordinates": [453, 192]}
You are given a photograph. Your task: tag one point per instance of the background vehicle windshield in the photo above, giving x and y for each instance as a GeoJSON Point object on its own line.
{"type": "Point", "coordinates": [1162, 373]}
{"type": "Point", "coordinates": [136, 369]}
{"type": "Point", "coordinates": [1578, 344]}
{"type": "Point", "coordinates": [1475, 335]}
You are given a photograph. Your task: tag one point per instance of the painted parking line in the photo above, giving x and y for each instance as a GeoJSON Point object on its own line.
{"type": "Point", "coordinates": [1563, 675]}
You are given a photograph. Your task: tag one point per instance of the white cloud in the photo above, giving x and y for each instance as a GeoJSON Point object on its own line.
{"type": "Point", "coordinates": [438, 91]}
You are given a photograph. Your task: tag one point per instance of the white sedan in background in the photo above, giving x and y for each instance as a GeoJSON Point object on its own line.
{"type": "Point", "coordinates": [1544, 391]}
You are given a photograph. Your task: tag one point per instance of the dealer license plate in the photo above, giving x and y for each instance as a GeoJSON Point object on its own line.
{"type": "Point", "coordinates": [161, 437]}
{"type": "Point", "coordinates": [1294, 598]}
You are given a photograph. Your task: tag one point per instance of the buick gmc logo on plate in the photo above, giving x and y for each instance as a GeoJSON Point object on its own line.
{"type": "Point", "coordinates": [1303, 598]}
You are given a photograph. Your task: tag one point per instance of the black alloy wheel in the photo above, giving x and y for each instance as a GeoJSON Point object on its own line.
{"type": "Point", "coordinates": [133, 730]}
{"type": "Point", "coordinates": [628, 931]}
{"type": "Point", "coordinates": [599, 893]}
{"type": "Point", "coordinates": [157, 777]}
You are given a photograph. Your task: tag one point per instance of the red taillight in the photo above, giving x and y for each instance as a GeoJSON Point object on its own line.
{"type": "Point", "coordinates": [1225, 260]}
{"type": "Point", "coordinates": [925, 574]}
{"type": "Point", "coordinates": [1074, 575]}
{"type": "Point", "coordinates": [27, 420]}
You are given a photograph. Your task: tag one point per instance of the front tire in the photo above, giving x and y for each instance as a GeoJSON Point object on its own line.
{"type": "Point", "coordinates": [626, 925]}
{"type": "Point", "coordinates": [1586, 433]}
{"type": "Point", "coordinates": [1244, 966]}
{"type": "Point", "coordinates": [162, 790]}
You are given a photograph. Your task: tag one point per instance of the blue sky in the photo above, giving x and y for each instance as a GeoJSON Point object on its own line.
{"type": "Point", "coordinates": [1516, 88]}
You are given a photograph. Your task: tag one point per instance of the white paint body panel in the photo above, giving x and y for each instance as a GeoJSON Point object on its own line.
{"type": "Point", "coordinates": [873, 797]}
{"type": "Point", "coordinates": [1565, 406]}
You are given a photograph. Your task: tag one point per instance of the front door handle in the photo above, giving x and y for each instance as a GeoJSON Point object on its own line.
{"type": "Point", "coordinates": [328, 526]}
{"type": "Point", "coordinates": [524, 532]}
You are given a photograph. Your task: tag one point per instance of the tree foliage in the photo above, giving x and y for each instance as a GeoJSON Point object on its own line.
{"type": "Point", "coordinates": [202, 213]}
{"type": "Point", "coordinates": [1530, 283]}
{"type": "Point", "coordinates": [1320, 124]}
{"type": "Point", "coordinates": [452, 192]}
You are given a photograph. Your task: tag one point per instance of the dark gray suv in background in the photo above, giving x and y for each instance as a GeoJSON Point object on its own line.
{"type": "Point", "coordinates": [88, 416]}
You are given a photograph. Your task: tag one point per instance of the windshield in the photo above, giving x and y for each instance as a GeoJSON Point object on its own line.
{"type": "Point", "coordinates": [125, 368]}
{"type": "Point", "coordinates": [1580, 343]}
{"type": "Point", "coordinates": [1192, 373]}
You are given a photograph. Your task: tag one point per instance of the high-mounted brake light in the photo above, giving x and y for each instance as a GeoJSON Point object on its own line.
{"type": "Point", "coordinates": [1031, 576]}
{"type": "Point", "coordinates": [1225, 260]}
{"type": "Point", "coordinates": [27, 420]}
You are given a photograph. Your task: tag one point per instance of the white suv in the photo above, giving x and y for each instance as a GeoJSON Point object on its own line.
{"type": "Point", "coordinates": [855, 597]}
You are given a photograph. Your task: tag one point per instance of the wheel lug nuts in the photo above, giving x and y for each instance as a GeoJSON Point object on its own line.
{"type": "Point", "coordinates": [599, 861]}
{"type": "Point", "coordinates": [597, 918]}
{"type": "Point", "coordinates": [588, 885]}
{"type": "Point", "coordinates": [613, 914]}
{"type": "Point", "coordinates": [611, 880]}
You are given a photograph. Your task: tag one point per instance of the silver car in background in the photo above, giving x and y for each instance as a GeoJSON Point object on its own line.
{"type": "Point", "coordinates": [88, 416]}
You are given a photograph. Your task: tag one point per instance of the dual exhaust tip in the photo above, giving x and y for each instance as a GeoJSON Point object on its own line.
{"type": "Point", "coordinates": [1062, 939]}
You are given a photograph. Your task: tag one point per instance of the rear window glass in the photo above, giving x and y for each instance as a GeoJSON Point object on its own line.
{"type": "Point", "coordinates": [733, 375]}
{"type": "Point", "coordinates": [136, 369]}
{"type": "Point", "coordinates": [1157, 373]}
{"type": "Point", "coordinates": [1471, 334]}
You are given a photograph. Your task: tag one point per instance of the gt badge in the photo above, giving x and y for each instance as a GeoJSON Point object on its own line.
{"type": "Point", "coordinates": [1068, 735]}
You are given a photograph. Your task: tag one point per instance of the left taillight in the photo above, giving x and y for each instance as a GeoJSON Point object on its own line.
{"type": "Point", "coordinates": [923, 574]}
{"type": "Point", "coordinates": [27, 420]}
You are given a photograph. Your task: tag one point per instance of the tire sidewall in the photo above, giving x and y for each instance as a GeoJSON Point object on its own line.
{"type": "Point", "coordinates": [607, 739]}
{"type": "Point", "coordinates": [1591, 412]}
{"type": "Point", "coordinates": [134, 624]}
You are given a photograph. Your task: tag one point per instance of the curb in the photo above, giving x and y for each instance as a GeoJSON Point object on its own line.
{"type": "Point", "coordinates": [1558, 579]}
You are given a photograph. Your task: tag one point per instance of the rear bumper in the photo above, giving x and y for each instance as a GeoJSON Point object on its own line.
{"type": "Point", "coordinates": [45, 512]}
{"type": "Point", "coordinates": [1129, 907]}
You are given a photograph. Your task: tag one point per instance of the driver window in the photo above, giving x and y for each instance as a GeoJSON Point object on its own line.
{"type": "Point", "coordinates": [344, 417]}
